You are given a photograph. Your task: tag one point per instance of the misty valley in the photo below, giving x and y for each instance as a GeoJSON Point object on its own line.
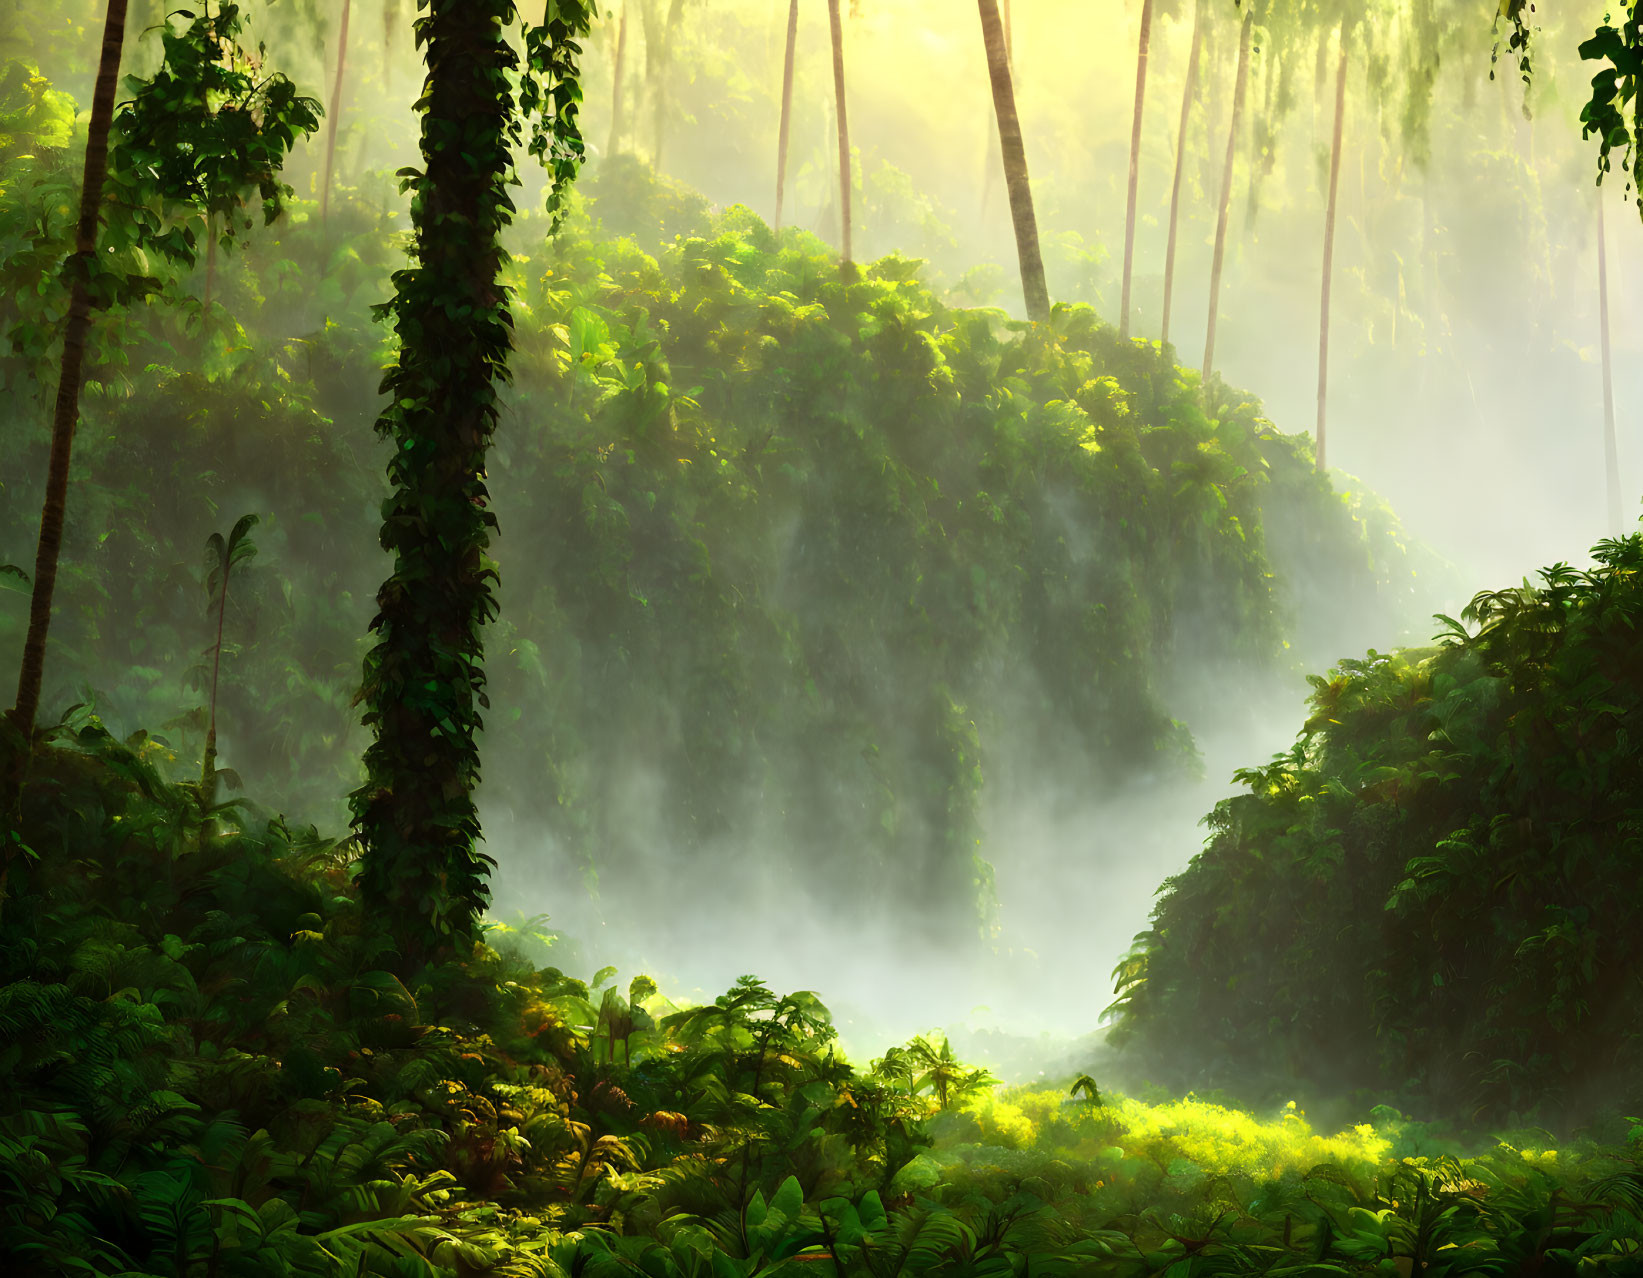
{"type": "Point", "coordinates": [659, 638]}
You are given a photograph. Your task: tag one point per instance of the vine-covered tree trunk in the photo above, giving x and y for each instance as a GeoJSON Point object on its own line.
{"type": "Point", "coordinates": [616, 83]}
{"type": "Point", "coordinates": [1033, 287]}
{"type": "Point", "coordinates": [846, 260]}
{"type": "Point", "coordinates": [786, 125]}
{"type": "Point", "coordinates": [1611, 454]}
{"type": "Point", "coordinates": [422, 874]}
{"type": "Point", "coordinates": [1135, 166]}
{"type": "Point", "coordinates": [336, 112]}
{"type": "Point", "coordinates": [1187, 92]}
{"type": "Point", "coordinates": [1329, 249]}
{"type": "Point", "coordinates": [65, 416]}
{"type": "Point", "coordinates": [1226, 195]}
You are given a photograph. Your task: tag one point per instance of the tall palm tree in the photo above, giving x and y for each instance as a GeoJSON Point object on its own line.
{"type": "Point", "coordinates": [659, 37]}
{"type": "Point", "coordinates": [335, 113]}
{"type": "Point", "coordinates": [787, 111]}
{"type": "Point", "coordinates": [616, 103]}
{"type": "Point", "coordinates": [1135, 166]}
{"type": "Point", "coordinates": [65, 416]}
{"type": "Point", "coordinates": [1329, 247]}
{"type": "Point", "coordinates": [989, 173]}
{"type": "Point", "coordinates": [1611, 458]}
{"type": "Point", "coordinates": [1188, 91]}
{"type": "Point", "coordinates": [1033, 287]}
{"type": "Point", "coordinates": [1226, 193]}
{"type": "Point", "coordinates": [390, 20]}
{"type": "Point", "coordinates": [835, 22]}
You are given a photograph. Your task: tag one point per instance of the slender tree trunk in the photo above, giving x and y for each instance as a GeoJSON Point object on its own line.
{"type": "Point", "coordinates": [989, 171]}
{"type": "Point", "coordinates": [1320, 77]}
{"type": "Point", "coordinates": [847, 263]}
{"type": "Point", "coordinates": [1135, 166]}
{"type": "Point", "coordinates": [65, 414]}
{"type": "Point", "coordinates": [1187, 93]}
{"type": "Point", "coordinates": [1033, 287]}
{"type": "Point", "coordinates": [787, 111]}
{"type": "Point", "coordinates": [1431, 312]}
{"type": "Point", "coordinates": [663, 71]}
{"type": "Point", "coordinates": [1611, 456]}
{"type": "Point", "coordinates": [336, 112]}
{"type": "Point", "coordinates": [616, 83]}
{"type": "Point", "coordinates": [208, 767]}
{"type": "Point", "coordinates": [1226, 196]}
{"type": "Point", "coordinates": [390, 16]}
{"type": "Point", "coordinates": [1329, 249]}
{"type": "Point", "coordinates": [210, 259]}
{"type": "Point", "coordinates": [1263, 141]}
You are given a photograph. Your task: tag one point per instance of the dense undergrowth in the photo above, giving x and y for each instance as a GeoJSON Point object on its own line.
{"type": "Point", "coordinates": [206, 1072]}
{"type": "Point", "coordinates": [765, 533]}
{"type": "Point", "coordinates": [784, 562]}
{"type": "Point", "coordinates": [1439, 890]}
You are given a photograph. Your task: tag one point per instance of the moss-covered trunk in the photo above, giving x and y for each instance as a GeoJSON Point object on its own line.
{"type": "Point", "coordinates": [423, 876]}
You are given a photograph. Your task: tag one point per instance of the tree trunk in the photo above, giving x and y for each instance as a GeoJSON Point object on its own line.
{"type": "Point", "coordinates": [1180, 162]}
{"type": "Point", "coordinates": [1226, 197]}
{"type": "Point", "coordinates": [663, 71]}
{"type": "Point", "coordinates": [210, 259]}
{"type": "Point", "coordinates": [336, 112]}
{"type": "Point", "coordinates": [1033, 287]}
{"type": "Point", "coordinates": [422, 876]}
{"type": "Point", "coordinates": [390, 15]}
{"type": "Point", "coordinates": [1329, 249]}
{"type": "Point", "coordinates": [1135, 167]}
{"type": "Point", "coordinates": [989, 171]}
{"type": "Point", "coordinates": [616, 83]}
{"type": "Point", "coordinates": [1611, 456]}
{"type": "Point", "coordinates": [787, 111]}
{"type": "Point", "coordinates": [65, 413]}
{"type": "Point", "coordinates": [846, 262]}
{"type": "Point", "coordinates": [1320, 77]}
{"type": "Point", "coordinates": [208, 764]}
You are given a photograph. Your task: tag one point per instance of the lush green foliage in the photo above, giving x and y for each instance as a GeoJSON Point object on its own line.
{"type": "Point", "coordinates": [205, 1069]}
{"type": "Point", "coordinates": [1439, 890]}
{"type": "Point", "coordinates": [207, 127]}
{"type": "Point", "coordinates": [765, 532]}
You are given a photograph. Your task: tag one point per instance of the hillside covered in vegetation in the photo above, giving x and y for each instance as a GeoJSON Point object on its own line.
{"type": "Point", "coordinates": [783, 560]}
{"type": "Point", "coordinates": [1436, 893]}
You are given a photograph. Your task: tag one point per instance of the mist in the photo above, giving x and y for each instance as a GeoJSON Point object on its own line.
{"type": "Point", "coordinates": [1465, 393]}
